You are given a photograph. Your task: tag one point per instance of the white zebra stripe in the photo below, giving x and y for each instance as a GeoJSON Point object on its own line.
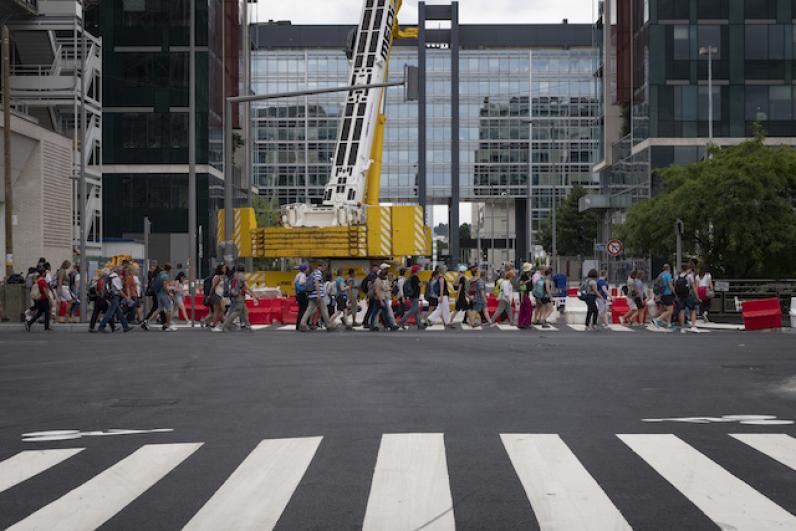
{"type": "Point", "coordinates": [563, 495]}
{"type": "Point", "coordinates": [95, 502]}
{"type": "Point", "coordinates": [777, 446]}
{"type": "Point", "coordinates": [29, 463]}
{"type": "Point", "coordinates": [725, 499]}
{"type": "Point", "coordinates": [257, 492]}
{"type": "Point", "coordinates": [410, 488]}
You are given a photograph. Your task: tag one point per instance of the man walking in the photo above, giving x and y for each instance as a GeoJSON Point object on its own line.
{"type": "Point", "coordinates": [411, 291]}
{"type": "Point", "coordinates": [237, 309]}
{"type": "Point", "coordinates": [316, 295]}
{"type": "Point", "coordinates": [664, 287]}
{"type": "Point", "coordinates": [115, 291]}
{"type": "Point", "coordinates": [40, 293]}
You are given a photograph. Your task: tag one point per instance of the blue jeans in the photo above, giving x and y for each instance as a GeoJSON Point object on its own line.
{"type": "Point", "coordinates": [114, 308]}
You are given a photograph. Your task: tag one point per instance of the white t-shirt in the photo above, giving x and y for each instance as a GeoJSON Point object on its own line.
{"type": "Point", "coordinates": [705, 280]}
{"type": "Point", "coordinates": [506, 290]}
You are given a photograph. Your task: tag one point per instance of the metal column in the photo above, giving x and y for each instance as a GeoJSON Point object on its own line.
{"type": "Point", "coordinates": [421, 107]}
{"type": "Point", "coordinates": [455, 184]}
{"type": "Point", "coordinates": [192, 162]}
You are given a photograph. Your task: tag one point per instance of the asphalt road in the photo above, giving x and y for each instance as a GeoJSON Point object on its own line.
{"type": "Point", "coordinates": [232, 391]}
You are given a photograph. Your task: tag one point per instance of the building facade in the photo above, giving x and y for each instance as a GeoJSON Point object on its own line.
{"type": "Point", "coordinates": [515, 81]}
{"type": "Point", "coordinates": [655, 72]}
{"type": "Point", "coordinates": [146, 91]}
{"type": "Point", "coordinates": [56, 128]}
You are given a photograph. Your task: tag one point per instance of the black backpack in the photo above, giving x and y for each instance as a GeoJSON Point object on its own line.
{"type": "Point", "coordinates": [363, 287]}
{"type": "Point", "coordinates": [409, 292]}
{"type": "Point", "coordinates": [394, 288]}
{"type": "Point", "coordinates": [207, 287]}
{"type": "Point", "coordinates": [681, 287]}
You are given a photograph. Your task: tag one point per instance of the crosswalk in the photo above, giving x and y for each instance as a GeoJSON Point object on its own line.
{"type": "Point", "coordinates": [505, 327]}
{"type": "Point", "coordinates": [411, 486]}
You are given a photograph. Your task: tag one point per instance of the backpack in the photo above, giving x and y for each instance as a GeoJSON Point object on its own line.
{"type": "Point", "coordinates": [93, 290]}
{"type": "Point", "coordinates": [584, 289]}
{"type": "Point", "coordinates": [394, 288]}
{"type": "Point", "coordinates": [433, 287]}
{"type": "Point", "coordinates": [331, 289]}
{"type": "Point", "coordinates": [657, 286]}
{"type": "Point", "coordinates": [496, 289]}
{"type": "Point", "coordinates": [104, 287]}
{"type": "Point", "coordinates": [309, 284]}
{"type": "Point", "coordinates": [471, 289]}
{"type": "Point", "coordinates": [365, 285]}
{"type": "Point", "coordinates": [626, 290]}
{"type": "Point", "coordinates": [156, 285]}
{"type": "Point", "coordinates": [681, 287]}
{"type": "Point", "coordinates": [538, 289]}
{"type": "Point", "coordinates": [299, 286]}
{"type": "Point", "coordinates": [409, 292]}
{"type": "Point", "coordinates": [227, 281]}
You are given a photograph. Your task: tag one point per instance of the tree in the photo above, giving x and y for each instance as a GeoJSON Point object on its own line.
{"type": "Point", "coordinates": [266, 210]}
{"type": "Point", "coordinates": [465, 231]}
{"type": "Point", "coordinates": [441, 230]}
{"type": "Point", "coordinates": [739, 211]}
{"type": "Point", "coordinates": [576, 231]}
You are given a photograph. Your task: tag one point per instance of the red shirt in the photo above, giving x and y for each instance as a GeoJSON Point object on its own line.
{"type": "Point", "coordinates": [42, 283]}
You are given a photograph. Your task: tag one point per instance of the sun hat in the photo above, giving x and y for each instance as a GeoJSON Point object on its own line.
{"type": "Point", "coordinates": [384, 266]}
{"type": "Point", "coordinates": [462, 268]}
{"type": "Point", "coordinates": [527, 267]}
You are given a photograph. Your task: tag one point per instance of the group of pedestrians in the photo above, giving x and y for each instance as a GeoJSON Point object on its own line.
{"type": "Point", "coordinates": [393, 302]}
{"type": "Point", "coordinates": [52, 296]}
{"type": "Point", "coordinates": [225, 294]}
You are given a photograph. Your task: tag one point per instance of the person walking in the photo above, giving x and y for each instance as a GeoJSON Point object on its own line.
{"type": "Point", "coordinates": [367, 289]}
{"type": "Point", "coordinates": [63, 295]}
{"type": "Point", "coordinates": [300, 286]}
{"type": "Point", "coordinates": [316, 295]}
{"type": "Point", "coordinates": [151, 292]}
{"type": "Point", "coordinates": [398, 292]}
{"type": "Point", "coordinates": [40, 294]}
{"type": "Point", "coordinates": [505, 298]}
{"type": "Point", "coordinates": [705, 291]}
{"type": "Point", "coordinates": [603, 301]}
{"type": "Point", "coordinates": [685, 288]}
{"type": "Point", "coordinates": [432, 293]}
{"type": "Point", "coordinates": [353, 297]}
{"type": "Point", "coordinates": [592, 294]}
{"type": "Point", "coordinates": [165, 302]}
{"type": "Point", "coordinates": [443, 309]}
{"type": "Point", "coordinates": [663, 287]}
{"type": "Point", "coordinates": [462, 299]}
{"type": "Point", "coordinates": [478, 313]}
{"type": "Point", "coordinates": [238, 289]}
{"type": "Point", "coordinates": [411, 292]}
{"type": "Point", "coordinates": [634, 301]}
{"type": "Point", "coordinates": [526, 312]}
{"type": "Point", "coordinates": [179, 297]}
{"type": "Point", "coordinates": [383, 299]}
{"type": "Point", "coordinates": [114, 289]}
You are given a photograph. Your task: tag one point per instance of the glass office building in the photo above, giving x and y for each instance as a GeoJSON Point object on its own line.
{"type": "Point", "coordinates": [509, 76]}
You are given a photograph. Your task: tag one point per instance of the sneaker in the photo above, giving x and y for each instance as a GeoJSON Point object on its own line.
{"type": "Point", "coordinates": [128, 329]}
{"type": "Point", "coordinates": [172, 328]}
{"type": "Point", "coordinates": [145, 326]}
{"type": "Point", "coordinates": [683, 331]}
{"type": "Point", "coordinates": [167, 329]}
{"type": "Point", "coordinates": [27, 326]}
{"type": "Point", "coordinates": [214, 329]}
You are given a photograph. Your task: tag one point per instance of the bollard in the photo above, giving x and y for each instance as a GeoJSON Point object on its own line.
{"type": "Point", "coordinates": [793, 312]}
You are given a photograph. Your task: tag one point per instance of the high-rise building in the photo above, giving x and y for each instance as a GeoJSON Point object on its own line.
{"type": "Point", "coordinates": [146, 97]}
{"type": "Point", "coordinates": [514, 79]}
{"type": "Point", "coordinates": [658, 91]}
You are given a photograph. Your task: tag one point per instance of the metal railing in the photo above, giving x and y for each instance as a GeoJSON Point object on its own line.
{"type": "Point", "coordinates": [724, 301]}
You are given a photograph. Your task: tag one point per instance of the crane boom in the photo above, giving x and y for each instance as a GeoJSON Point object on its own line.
{"type": "Point", "coordinates": [344, 195]}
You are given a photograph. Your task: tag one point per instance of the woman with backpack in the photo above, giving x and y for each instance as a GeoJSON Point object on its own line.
{"type": "Point", "coordinates": [299, 284]}
{"type": "Point", "coordinates": [526, 306]}
{"type": "Point", "coordinates": [432, 292]}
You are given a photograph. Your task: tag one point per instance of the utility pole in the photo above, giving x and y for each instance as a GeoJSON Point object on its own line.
{"type": "Point", "coordinates": [82, 185]}
{"type": "Point", "coordinates": [145, 272]}
{"type": "Point", "coordinates": [192, 162]}
{"type": "Point", "coordinates": [9, 193]}
{"type": "Point", "coordinates": [528, 195]}
{"type": "Point", "coordinates": [679, 228]}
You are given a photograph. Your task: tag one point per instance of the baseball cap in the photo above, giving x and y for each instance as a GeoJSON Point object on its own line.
{"type": "Point", "coordinates": [303, 267]}
{"type": "Point", "coordinates": [384, 266]}
{"type": "Point", "coordinates": [462, 268]}
{"type": "Point", "coordinates": [415, 268]}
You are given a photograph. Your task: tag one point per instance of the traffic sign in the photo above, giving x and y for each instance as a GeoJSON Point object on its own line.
{"type": "Point", "coordinates": [614, 247]}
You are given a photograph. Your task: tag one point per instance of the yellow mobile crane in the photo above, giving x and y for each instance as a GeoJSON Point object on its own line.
{"type": "Point", "coordinates": [350, 224]}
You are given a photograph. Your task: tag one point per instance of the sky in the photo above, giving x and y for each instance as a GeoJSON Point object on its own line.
{"type": "Point", "coordinates": [470, 11]}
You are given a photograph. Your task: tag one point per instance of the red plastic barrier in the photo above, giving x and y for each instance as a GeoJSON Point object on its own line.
{"type": "Point", "coordinates": [761, 314]}
{"type": "Point", "coordinates": [619, 308]}
{"type": "Point", "coordinates": [289, 311]}
{"type": "Point", "coordinates": [572, 292]}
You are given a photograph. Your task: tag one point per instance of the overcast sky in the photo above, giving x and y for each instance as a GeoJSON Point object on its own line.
{"type": "Point", "coordinates": [470, 11]}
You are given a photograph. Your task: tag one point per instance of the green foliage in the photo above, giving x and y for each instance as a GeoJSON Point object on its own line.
{"type": "Point", "coordinates": [465, 232]}
{"type": "Point", "coordinates": [576, 231]}
{"type": "Point", "coordinates": [739, 211]}
{"type": "Point", "coordinates": [266, 210]}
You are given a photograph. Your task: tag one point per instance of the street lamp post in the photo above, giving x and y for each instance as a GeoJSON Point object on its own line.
{"type": "Point", "coordinates": [709, 51]}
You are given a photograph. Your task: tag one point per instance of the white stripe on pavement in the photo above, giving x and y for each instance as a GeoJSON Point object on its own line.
{"type": "Point", "coordinates": [577, 327]}
{"type": "Point", "coordinates": [29, 463]}
{"type": "Point", "coordinates": [410, 488]}
{"type": "Point", "coordinates": [777, 446]}
{"type": "Point", "coordinates": [506, 327]}
{"type": "Point", "coordinates": [725, 499]}
{"type": "Point", "coordinates": [257, 492]}
{"type": "Point", "coordinates": [563, 495]}
{"type": "Point", "coordinates": [620, 328]}
{"type": "Point", "coordinates": [96, 501]}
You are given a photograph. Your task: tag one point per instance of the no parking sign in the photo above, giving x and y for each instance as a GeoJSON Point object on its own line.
{"type": "Point", "coordinates": [614, 247]}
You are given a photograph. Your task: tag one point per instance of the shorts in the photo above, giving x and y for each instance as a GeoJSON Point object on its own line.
{"type": "Point", "coordinates": [433, 302]}
{"type": "Point", "coordinates": [164, 302]}
{"type": "Point", "coordinates": [478, 306]}
{"type": "Point", "coordinates": [688, 304]}
{"type": "Point", "coordinates": [543, 300]}
{"type": "Point", "coordinates": [667, 300]}
{"type": "Point", "coordinates": [601, 304]}
{"type": "Point", "coordinates": [65, 294]}
{"type": "Point", "coordinates": [212, 300]}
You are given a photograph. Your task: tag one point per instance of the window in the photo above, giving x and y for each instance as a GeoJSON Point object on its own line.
{"type": "Point", "coordinates": [673, 10]}
{"type": "Point", "coordinates": [760, 9]}
{"type": "Point", "coordinates": [713, 9]}
{"type": "Point", "coordinates": [710, 36]}
{"type": "Point", "coordinates": [704, 103]}
{"type": "Point", "coordinates": [681, 43]}
{"type": "Point", "coordinates": [765, 43]}
{"type": "Point", "coordinates": [141, 13]}
{"type": "Point", "coordinates": [685, 103]}
{"type": "Point", "coordinates": [137, 68]}
{"type": "Point", "coordinates": [757, 104]}
{"type": "Point", "coordinates": [780, 103]}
